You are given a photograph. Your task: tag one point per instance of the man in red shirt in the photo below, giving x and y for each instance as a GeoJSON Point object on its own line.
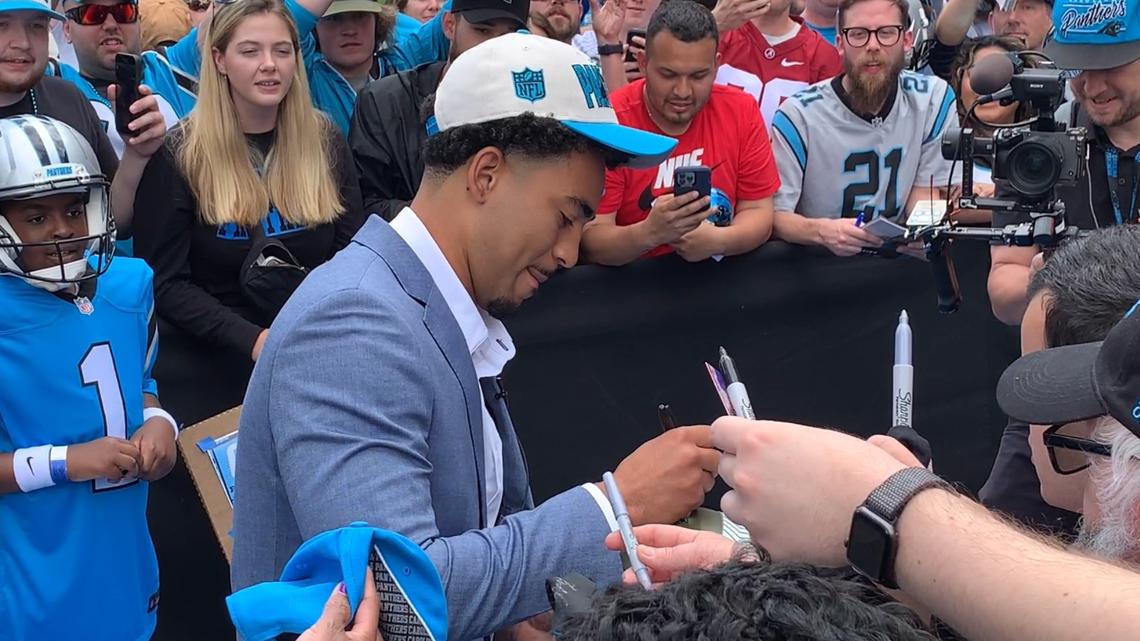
{"type": "Point", "coordinates": [716, 126]}
{"type": "Point", "coordinates": [774, 56]}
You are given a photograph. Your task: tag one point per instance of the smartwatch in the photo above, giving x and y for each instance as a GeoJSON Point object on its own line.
{"type": "Point", "coordinates": [610, 50]}
{"type": "Point", "coordinates": [873, 541]}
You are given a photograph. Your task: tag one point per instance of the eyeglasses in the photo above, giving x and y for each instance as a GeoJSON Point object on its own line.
{"type": "Point", "coordinates": [1069, 447]}
{"type": "Point", "coordinates": [96, 14]}
{"type": "Point", "coordinates": [198, 5]}
{"type": "Point", "coordinates": [859, 36]}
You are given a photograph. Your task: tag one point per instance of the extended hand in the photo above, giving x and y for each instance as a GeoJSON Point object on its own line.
{"type": "Point", "coordinates": [148, 127]}
{"type": "Point", "coordinates": [795, 487]}
{"type": "Point", "coordinates": [669, 551]}
{"type": "Point", "coordinates": [667, 478]}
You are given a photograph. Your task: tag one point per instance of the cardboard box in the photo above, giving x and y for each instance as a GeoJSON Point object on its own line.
{"type": "Point", "coordinates": [207, 447]}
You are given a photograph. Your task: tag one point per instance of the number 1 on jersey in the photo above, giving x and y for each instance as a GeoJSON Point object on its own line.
{"type": "Point", "coordinates": [98, 368]}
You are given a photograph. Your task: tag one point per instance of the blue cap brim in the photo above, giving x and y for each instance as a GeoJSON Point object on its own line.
{"type": "Point", "coordinates": [28, 5]}
{"type": "Point", "coordinates": [645, 149]}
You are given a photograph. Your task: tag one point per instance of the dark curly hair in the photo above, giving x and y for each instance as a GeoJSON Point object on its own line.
{"type": "Point", "coordinates": [964, 62]}
{"type": "Point", "coordinates": [748, 601]}
{"type": "Point", "coordinates": [527, 135]}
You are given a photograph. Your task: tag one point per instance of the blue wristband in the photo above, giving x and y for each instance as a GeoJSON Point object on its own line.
{"type": "Point", "coordinates": [57, 458]}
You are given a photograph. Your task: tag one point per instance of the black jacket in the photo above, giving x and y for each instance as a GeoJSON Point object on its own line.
{"type": "Point", "coordinates": [388, 135]}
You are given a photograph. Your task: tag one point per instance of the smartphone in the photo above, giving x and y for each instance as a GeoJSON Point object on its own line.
{"type": "Point", "coordinates": [629, 57]}
{"type": "Point", "coordinates": [687, 179]}
{"type": "Point", "coordinates": [128, 76]}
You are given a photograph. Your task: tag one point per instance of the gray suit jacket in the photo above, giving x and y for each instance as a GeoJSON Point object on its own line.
{"type": "Point", "coordinates": [364, 406]}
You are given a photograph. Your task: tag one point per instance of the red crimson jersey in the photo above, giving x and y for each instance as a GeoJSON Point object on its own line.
{"type": "Point", "coordinates": [727, 136]}
{"type": "Point", "coordinates": [773, 73]}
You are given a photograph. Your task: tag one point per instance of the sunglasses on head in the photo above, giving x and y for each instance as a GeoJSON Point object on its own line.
{"type": "Point", "coordinates": [96, 14]}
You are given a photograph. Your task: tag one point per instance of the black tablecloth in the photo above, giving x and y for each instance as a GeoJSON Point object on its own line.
{"type": "Point", "coordinates": [812, 336]}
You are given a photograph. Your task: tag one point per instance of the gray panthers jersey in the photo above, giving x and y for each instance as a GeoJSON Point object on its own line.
{"type": "Point", "coordinates": [834, 163]}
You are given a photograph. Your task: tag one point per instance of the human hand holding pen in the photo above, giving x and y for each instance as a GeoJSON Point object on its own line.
{"type": "Point", "coordinates": [843, 237]}
{"type": "Point", "coordinates": [667, 478]}
{"type": "Point", "coordinates": [668, 551]}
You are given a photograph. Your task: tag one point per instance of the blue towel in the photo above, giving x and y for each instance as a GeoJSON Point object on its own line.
{"type": "Point", "coordinates": [413, 604]}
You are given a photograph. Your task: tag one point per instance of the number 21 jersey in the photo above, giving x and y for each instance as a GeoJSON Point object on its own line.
{"type": "Point", "coordinates": [76, 559]}
{"type": "Point", "coordinates": [833, 162]}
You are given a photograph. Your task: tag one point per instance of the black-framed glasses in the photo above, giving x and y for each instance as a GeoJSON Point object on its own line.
{"type": "Point", "coordinates": [96, 14]}
{"type": "Point", "coordinates": [860, 36]}
{"type": "Point", "coordinates": [1069, 447]}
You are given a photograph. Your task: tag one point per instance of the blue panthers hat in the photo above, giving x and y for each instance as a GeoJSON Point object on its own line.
{"type": "Point", "coordinates": [1095, 34]}
{"type": "Point", "coordinates": [39, 6]}
{"type": "Point", "coordinates": [1078, 382]}
{"type": "Point", "coordinates": [522, 73]}
{"type": "Point", "coordinates": [413, 606]}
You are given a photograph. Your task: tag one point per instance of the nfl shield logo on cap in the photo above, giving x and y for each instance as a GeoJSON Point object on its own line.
{"type": "Point", "coordinates": [520, 73]}
{"type": "Point", "coordinates": [529, 85]}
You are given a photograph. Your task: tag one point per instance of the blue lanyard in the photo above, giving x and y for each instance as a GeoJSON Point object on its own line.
{"type": "Point", "coordinates": [1111, 165]}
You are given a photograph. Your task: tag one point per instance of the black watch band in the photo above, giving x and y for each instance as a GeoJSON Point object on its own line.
{"type": "Point", "coordinates": [873, 541]}
{"type": "Point", "coordinates": [610, 50]}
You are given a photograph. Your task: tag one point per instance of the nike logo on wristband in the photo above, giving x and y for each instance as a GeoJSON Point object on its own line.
{"type": "Point", "coordinates": [790, 63]}
{"type": "Point", "coordinates": [30, 466]}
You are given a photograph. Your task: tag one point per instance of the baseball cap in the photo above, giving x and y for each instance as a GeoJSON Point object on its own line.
{"type": "Point", "coordinates": [349, 6]}
{"type": "Point", "coordinates": [1077, 382]}
{"type": "Point", "coordinates": [163, 21]}
{"type": "Point", "coordinates": [39, 6]}
{"type": "Point", "coordinates": [414, 605]}
{"type": "Point", "coordinates": [1095, 35]}
{"type": "Point", "coordinates": [521, 73]}
{"type": "Point", "coordinates": [483, 11]}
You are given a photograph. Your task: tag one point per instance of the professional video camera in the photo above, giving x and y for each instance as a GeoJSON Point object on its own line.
{"type": "Point", "coordinates": [1030, 157]}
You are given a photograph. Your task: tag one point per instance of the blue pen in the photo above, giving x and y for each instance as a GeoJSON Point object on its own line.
{"type": "Point", "coordinates": [859, 220]}
{"type": "Point", "coordinates": [621, 513]}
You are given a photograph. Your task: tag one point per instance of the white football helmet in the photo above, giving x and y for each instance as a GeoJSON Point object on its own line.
{"type": "Point", "coordinates": [40, 156]}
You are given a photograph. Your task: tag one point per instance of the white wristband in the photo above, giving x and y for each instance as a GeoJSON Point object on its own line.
{"type": "Point", "coordinates": [32, 468]}
{"type": "Point", "coordinates": [151, 412]}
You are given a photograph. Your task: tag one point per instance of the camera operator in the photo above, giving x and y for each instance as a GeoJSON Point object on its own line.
{"type": "Point", "coordinates": [1105, 47]}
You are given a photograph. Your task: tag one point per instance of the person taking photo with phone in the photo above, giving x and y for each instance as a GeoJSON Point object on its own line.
{"type": "Point", "coordinates": [713, 195]}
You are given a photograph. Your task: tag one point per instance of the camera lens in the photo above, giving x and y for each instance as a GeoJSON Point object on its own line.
{"type": "Point", "coordinates": [1034, 167]}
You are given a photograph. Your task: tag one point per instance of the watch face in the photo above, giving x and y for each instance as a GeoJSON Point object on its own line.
{"type": "Point", "coordinates": [870, 546]}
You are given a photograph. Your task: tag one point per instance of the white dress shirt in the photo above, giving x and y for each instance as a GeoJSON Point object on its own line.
{"type": "Point", "coordinates": [490, 346]}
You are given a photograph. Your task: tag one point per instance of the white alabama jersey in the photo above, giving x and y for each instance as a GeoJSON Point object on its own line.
{"type": "Point", "coordinates": [833, 163]}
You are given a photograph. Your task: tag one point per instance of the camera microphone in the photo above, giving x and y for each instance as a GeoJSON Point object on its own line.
{"type": "Point", "coordinates": [990, 79]}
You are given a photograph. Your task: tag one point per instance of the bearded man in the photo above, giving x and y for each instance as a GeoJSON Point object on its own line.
{"type": "Point", "coordinates": [871, 136]}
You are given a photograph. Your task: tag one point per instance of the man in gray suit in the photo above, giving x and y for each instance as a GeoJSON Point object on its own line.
{"type": "Point", "coordinates": [376, 396]}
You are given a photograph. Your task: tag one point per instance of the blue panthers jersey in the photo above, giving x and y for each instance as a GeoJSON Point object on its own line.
{"type": "Point", "coordinates": [76, 559]}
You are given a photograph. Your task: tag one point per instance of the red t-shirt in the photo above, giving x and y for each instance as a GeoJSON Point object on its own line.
{"type": "Point", "coordinates": [772, 74]}
{"type": "Point", "coordinates": [727, 136]}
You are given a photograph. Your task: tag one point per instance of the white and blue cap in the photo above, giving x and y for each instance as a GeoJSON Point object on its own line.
{"type": "Point", "coordinates": [39, 6]}
{"type": "Point", "coordinates": [413, 605]}
{"type": "Point", "coordinates": [521, 73]}
{"type": "Point", "coordinates": [1095, 34]}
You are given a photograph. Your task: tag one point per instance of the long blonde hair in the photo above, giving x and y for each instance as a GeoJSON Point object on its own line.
{"type": "Point", "coordinates": [219, 164]}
